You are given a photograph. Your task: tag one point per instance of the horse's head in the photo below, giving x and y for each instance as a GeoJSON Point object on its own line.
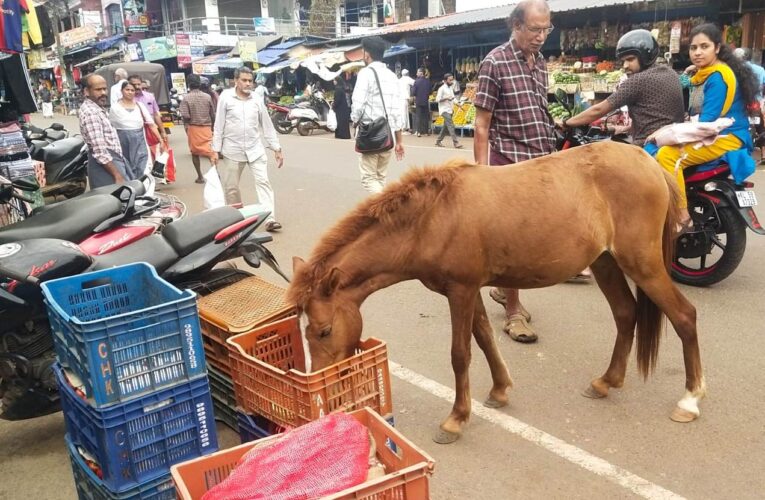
{"type": "Point", "coordinates": [329, 317]}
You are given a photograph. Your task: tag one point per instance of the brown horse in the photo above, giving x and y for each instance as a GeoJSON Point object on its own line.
{"type": "Point", "coordinates": [461, 227]}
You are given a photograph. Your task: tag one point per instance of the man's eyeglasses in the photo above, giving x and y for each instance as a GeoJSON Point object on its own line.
{"type": "Point", "coordinates": [539, 31]}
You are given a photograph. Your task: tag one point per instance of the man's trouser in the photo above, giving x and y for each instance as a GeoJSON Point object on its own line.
{"type": "Point", "coordinates": [373, 168]}
{"type": "Point", "coordinates": [230, 172]}
{"type": "Point", "coordinates": [422, 118]}
{"type": "Point", "coordinates": [448, 126]}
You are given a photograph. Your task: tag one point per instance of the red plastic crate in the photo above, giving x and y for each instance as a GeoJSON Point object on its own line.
{"type": "Point", "coordinates": [408, 467]}
{"type": "Point", "coordinates": [266, 366]}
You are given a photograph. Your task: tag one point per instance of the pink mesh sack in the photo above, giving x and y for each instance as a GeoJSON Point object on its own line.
{"type": "Point", "coordinates": [320, 458]}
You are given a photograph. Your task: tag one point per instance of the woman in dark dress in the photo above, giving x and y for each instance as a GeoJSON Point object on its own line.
{"type": "Point", "coordinates": [342, 110]}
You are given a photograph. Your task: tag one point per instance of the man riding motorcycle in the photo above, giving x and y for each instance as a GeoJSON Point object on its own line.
{"type": "Point", "coordinates": [652, 92]}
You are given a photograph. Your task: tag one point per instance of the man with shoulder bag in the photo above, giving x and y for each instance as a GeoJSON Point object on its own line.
{"type": "Point", "coordinates": [378, 116]}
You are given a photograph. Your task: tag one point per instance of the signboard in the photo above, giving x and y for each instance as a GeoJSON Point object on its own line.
{"type": "Point", "coordinates": [77, 36]}
{"type": "Point", "coordinates": [219, 40]}
{"type": "Point", "coordinates": [183, 49]}
{"type": "Point", "coordinates": [674, 37]}
{"type": "Point", "coordinates": [264, 25]}
{"type": "Point", "coordinates": [41, 59]}
{"type": "Point", "coordinates": [179, 82]}
{"type": "Point", "coordinates": [248, 50]}
{"type": "Point", "coordinates": [134, 52]}
{"type": "Point", "coordinates": [205, 69]}
{"type": "Point", "coordinates": [389, 11]}
{"type": "Point", "coordinates": [136, 18]}
{"type": "Point", "coordinates": [92, 18]}
{"type": "Point", "coordinates": [197, 46]}
{"type": "Point", "coordinates": [158, 48]}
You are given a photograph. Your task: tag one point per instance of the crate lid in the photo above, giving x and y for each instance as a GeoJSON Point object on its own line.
{"type": "Point", "coordinates": [244, 305]}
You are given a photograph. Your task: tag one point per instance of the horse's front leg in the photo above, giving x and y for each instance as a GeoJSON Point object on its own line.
{"type": "Point", "coordinates": [484, 337]}
{"type": "Point", "coordinates": [461, 306]}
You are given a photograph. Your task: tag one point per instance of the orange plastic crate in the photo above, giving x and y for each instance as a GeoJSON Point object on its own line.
{"type": "Point", "coordinates": [408, 468]}
{"type": "Point", "coordinates": [266, 366]}
{"type": "Point", "coordinates": [236, 309]}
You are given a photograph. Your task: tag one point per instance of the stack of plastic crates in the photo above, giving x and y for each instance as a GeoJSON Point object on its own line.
{"type": "Point", "coordinates": [237, 308]}
{"type": "Point", "coordinates": [132, 380]}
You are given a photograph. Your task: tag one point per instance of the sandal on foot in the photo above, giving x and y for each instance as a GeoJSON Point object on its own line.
{"type": "Point", "coordinates": [458, 146]}
{"type": "Point", "coordinates": [580, 278]}
{"type": "Point", "coordinates": [273, 226]}
{"type": "Point", "coordinates": [519, 330]}
{"type": "Point", "coordinates": [439, 145]}
{"type": "Point", "coordinates": [499, 297]}
{"type": "Point", "coordinates": [200, 181]}
{"type": "Point", "coordinates": [684, 227]}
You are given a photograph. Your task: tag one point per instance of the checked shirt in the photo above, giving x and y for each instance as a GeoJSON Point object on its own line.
{"type": "Point", "coordinates": [521, 127]}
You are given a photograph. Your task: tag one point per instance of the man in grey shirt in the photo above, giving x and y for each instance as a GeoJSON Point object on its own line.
{"type": "Point", "coordinates": [240, 123]}
{"type": "Point", "coordinates": [652, 92]}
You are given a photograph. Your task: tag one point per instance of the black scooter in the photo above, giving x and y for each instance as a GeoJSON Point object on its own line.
{"type": "Point", "coordinates": [185, 254]}
{"type": "Point", "coordinates": [65, 158]}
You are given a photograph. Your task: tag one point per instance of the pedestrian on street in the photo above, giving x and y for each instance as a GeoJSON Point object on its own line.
{"type": "Point", "coordinates": [372, 100]}
{"type": "Point", "coordinates": [209, 90]}
{"type": "Point", "coordinates": [115, 93]}
{"type": "Point", "coordinates": [445, 99]}
{"type": "Point", "coordinates": [240, 122]}
{"type": "Point", "coordinates": [147, 99]}
{"type": "Point", "coordinates": [47, 105]}
{"type": "Point", "coordinates": [512, 121]}
{"type": "Point", "coordinates": [198, 115]}
{"type": "Point", "coordinates": [421, 92]}
{"type": "Point", "coordinates": [128, 118]}
{"type": "Point", "coordinates": [105, 162]}
{"type": "Point", "coordinates": [406, 83]}
{"type": "Point", "coordinates": [342, 110]}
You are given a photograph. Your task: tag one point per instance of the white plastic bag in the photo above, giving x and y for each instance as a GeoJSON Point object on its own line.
{"type": "Point", "coordinates": [331, 120]}
{"type": "Point", "coordinates": [213, 191]}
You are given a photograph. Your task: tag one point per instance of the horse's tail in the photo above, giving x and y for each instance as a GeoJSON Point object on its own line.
{"type": "Point", "coordinates": [649, 317]}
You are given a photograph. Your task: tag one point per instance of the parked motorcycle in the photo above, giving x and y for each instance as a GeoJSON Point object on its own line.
{"type": "Point", "coordinates": [310, 114]}
{"type": "Point", "coordinates": [185, 254]}
{"type": "Point", "coordinates": [721, 211]}
{"type": "Point", "coordinates": [65, 158]}
{"type": "Point", "coordinates": [280, 117]}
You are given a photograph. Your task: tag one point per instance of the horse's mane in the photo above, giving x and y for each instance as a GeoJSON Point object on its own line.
{"type": "Point", "coordinates": [399, 205]}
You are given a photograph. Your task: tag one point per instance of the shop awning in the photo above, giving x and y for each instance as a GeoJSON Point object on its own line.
{"type": "Point", "coordinates": [273, 53]}
{"type": "Point", "coordinates": [109, 42]}
{"type": "Point", "coordinates": [398, 50]}
{"type": "Point", "coordinates": [230, 62]}
{"type": "Point", "coordinates": [105, 55]}
{"type": "Point", "coordinates": [208, 65]}
{"type": "Point", "coordinates": [77, 50]}
{"type": "Point", "coordinates": [279, 66]}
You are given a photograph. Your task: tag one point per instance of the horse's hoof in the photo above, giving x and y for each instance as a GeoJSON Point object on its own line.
{"type": "Point", "coordinates": [682, 416]}
{"type": "Point", "coordinates": [493, 403]}
{"type": "Point", "coordinates": [591, 393]}
{"type": "Point", "coordinates": [445, 437]}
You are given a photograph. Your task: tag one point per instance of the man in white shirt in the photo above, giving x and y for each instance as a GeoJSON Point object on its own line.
{"type": "Point", "coordinates": [405, 89]}
{"type": "Point", "coordinates": [115, 93]}
{"type": "Point", "coordinates": [368, 106]}
{"type": "Point", "coordinates": [445, 99]}
{"type": "Point", "coordinates": [240, 122]}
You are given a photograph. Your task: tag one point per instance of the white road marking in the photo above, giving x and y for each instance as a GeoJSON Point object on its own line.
{"type": "Point", "coordinates": [564, 450]}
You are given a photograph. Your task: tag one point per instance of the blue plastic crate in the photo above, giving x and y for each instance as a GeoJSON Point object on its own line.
{"type": "Point", "coordinates": [138, 441]}
{"type": "Point", "coordinates": [252, 427]}
{"type": "Point", "coordinates": [89, 487]}
{"type": "Point", "coordinates": [124, 332]}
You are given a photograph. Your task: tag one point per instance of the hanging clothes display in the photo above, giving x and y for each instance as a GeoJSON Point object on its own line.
{"type": "Point", "coordinates": [15, 161]}
{"type": "Point", "coordinates": [31, 35]}
{"type": "Point", "coordinates": [11, 27]}
{"type": "Point", "coordinates": [14, 80]}
{"type": "Point", "coordinates": [46, 26]}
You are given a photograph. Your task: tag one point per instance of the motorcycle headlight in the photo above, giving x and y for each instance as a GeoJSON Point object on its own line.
{"type": "Point", "coordinates": [710, 186]}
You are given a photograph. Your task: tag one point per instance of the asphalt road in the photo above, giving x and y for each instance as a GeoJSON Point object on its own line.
{"type": "Point", "coordinates": [550, 442]}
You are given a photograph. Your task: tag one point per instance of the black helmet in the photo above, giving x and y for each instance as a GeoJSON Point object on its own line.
{"type": "Point", "coordinates": [638, 43]}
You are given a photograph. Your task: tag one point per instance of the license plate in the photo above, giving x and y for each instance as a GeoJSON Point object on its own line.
{"type": "Point", "coordinates": [746, 198]}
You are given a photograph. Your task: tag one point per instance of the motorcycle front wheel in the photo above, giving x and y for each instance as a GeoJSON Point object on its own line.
{"type": "Point", "coordinates": [713, 249]}
{"type": "Point", "coordinates": [305, 127]}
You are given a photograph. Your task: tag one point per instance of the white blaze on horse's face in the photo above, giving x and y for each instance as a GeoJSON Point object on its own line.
{"type": "Point", "coordinates": [303, 324]}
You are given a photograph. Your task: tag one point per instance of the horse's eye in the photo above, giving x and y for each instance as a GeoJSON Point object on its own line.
{"type": "Point", "coordinates": [326, 331]}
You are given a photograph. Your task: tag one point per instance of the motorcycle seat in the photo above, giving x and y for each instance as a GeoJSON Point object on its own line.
{"type": "Point", "coordinates": [189, 234]}
{"type": "Point", "coordinates": [55, 135]}
{"type": "Point", "coordinates": [137, 186]}
{"type": "Point", "coordinates": [706, 171]}
{"type": "Point", "coordinates": [72, 221]}
{"type": "Point", "coordinates": [154, 250]}
{"type": "Point", "coordinates": [63, 149]}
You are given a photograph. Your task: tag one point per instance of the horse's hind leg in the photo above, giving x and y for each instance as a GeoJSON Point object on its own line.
{"type": "Point", "coordinates": [614, 286]}
{"type": "Point", "coordinates": [484, 337]}
{"type": "Point", "coordinates": [681, 313]}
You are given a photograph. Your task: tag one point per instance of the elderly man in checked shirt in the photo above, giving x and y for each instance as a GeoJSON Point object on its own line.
{"type": "Point", "coordinates": [512, 122]}
{"type": "Point", "coordinates": [105, 162]}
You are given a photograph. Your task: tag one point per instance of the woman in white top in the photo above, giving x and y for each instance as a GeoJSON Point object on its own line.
{"type": "Point", "coordinates": [128, 117]}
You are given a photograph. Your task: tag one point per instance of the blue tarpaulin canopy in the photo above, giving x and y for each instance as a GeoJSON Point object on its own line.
{"type": "Point", "coordinates": [275, 52]}
{"type": "Point", "coordinates": [109, 42]}
{"type": "Point", "coordinates": [397, 50]}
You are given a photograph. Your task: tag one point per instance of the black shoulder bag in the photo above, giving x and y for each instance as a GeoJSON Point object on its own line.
{"type": "Point", "coordinates": [376, 136]}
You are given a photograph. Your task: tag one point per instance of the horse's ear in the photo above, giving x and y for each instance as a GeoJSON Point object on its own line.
{"type": "Point", "coordinates": [330, 284]}
{"type": "Point", "coordinates": [297, 264]}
